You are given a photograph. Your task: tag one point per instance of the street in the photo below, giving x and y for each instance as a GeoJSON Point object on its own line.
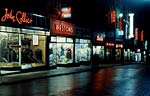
{"type": "Point", "coordinates": [128, 80]}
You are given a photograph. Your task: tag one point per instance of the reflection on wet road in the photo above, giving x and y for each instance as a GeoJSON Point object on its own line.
{"type": "Point", "coordinates": [129, 80]}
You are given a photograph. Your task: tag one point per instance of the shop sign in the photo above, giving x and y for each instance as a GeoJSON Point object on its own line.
{"type": "Point", "coordinates": [61, 28]}
{"type": "Point", "coordinates": [19, 17]}
{"type": "Point", "coordinates": [113, 16]}
{"type": "Point", "coordinates": [120, 24]}
{"type": "Point", "coordinates": [142, 35]}
{"type": "Point", "coordinates": [110, 44]}
{"type": "Point", "coordinates": [99, 38]}
{"type": "Point", "coordinates": [136, 33]}
{"type": "Point", "coordinates": [119, 46]}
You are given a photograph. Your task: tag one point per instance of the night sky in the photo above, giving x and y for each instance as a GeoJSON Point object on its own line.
{"type": "Point", "coordinates": [86, 13]}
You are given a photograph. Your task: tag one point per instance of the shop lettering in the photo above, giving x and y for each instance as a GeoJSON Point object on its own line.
{"type": "Point", "coordinates": [99, 38]}
{"type": "Point", "coordinates": [20, 17]}
{"type": "Point", "coordinates": [62, 28]}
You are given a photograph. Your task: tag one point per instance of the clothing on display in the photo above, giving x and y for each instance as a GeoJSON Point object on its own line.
{"type": "Point", "coordinates": [27, 55]}
{"type": "Point", "coordinates": [38, 54]}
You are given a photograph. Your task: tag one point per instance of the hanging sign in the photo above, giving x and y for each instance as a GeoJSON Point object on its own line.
{"type": "Point", "coordinates": [19, 17]}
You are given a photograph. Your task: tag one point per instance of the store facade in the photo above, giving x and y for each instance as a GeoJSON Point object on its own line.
{"type": "Point", "coordinates": [99, 45]}
{"type": "Point", "coordinates": [22, 40]}
{"type": "Point", "coordinates": [61, 43]}
{"type": "Point", "coordinates": [83, 46]}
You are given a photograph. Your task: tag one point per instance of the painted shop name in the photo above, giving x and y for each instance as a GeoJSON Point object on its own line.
{"type": "Point", "coordinates": [63, 28]}
{"type": "Point", "coordinates": [19, 17]}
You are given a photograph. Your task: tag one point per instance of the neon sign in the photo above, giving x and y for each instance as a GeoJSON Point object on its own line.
{"type": "Point", "coordinates": [113, 16]}
{"type": "Point", "coordinates": [136, 33]}
{"type": "Point", "coordinates": [19, 17]}
{"type": "Point", "coordinates": [142, 35]}
{"type": "Point", "coordinates": [99, 38]}
{"type": "Point", "coordinates": [110, 44]}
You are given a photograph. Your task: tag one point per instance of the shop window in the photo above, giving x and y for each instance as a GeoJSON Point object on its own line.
{"type": "Point", "coordinates": [9, 49]}
{"type": "Point", "coordinates": [99, 50]}
{"type": "Point", "coordinates": [82, 50]}
{"type": "Point", "coordinates": [31, 53]}
{"type": "Point", "coordinates": [60, 52]}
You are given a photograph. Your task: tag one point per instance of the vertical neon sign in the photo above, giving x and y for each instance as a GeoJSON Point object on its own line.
{"type": "Point", "coordinates": [131, 34]}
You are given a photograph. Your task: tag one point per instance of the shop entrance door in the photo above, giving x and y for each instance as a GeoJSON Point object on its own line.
{"type": "Point", "coordinates": [109, 56]}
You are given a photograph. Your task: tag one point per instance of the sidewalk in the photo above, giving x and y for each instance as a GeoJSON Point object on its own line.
{"type": "Point", "coordinates": [12, 78]}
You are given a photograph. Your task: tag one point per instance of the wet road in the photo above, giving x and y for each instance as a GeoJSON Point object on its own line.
{"type": "Point", "coordinates": [130, 80]}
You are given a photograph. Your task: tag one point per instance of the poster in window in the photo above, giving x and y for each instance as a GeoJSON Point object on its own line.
{"type": "Point", "coordinates": [35, 40]}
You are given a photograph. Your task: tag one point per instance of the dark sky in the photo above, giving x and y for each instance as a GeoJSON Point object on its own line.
{"type": "Point", "coordinates": [87, 13]}
{"type": "Point", "coordinates": [141, 8]}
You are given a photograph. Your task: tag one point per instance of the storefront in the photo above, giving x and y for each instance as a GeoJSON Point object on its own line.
{"type": "Point", "coordinates": [61, 45]}
{"type": "Point", "coordinates": [119, 52]}
{"type": "Point", "coordinates": [109, 50]}
{"type": "Point", "coordinates": [22, 41]}
{"type": "Point", "coordinates": [83, 48]}
{"type": "Point", "coordinates": [98, 46]}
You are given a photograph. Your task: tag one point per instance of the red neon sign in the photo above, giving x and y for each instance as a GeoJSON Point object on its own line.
{"type": "Point", "coordinates": [120, 24]}
{"type": "Point", "coordinates": [136, 33]}
{"type": "Point", "coordinates": [142, 35]}
{"type": "Point", "coordinates": [110, 44]}
{"type": "Point", "coordinates": [113, 16]}
{"type": "Point", "coordinates": [20, 17]}
{"type": "Point", "coordinates": [99, 38]}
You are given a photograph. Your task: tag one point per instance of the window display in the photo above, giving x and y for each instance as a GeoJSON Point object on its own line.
{"type": "Point", "coordinates": [118, 54]}
{"type": "Point", "coordinates": [99, 50]}
{"type": "Point", "coordinates": [83, 47]}
{"type": "Point", "coordinates": [61, 52]}
{"type": "Point", "coordinates": [33, 54]}
{"type": "Point", "coordinates": [9, 44]}
{"type": "Point", "coordinates": [17, 50]}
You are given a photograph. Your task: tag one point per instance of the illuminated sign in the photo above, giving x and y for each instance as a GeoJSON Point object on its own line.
{"type": "Point", "coordinates": [61, 28]}
{"type": "Point", "coordinates": [66, 12]}
{"type": "Point", "coordinates": [136, 33]}
{"type": "Point", "coordinates": [131, 34]}
{"type": "Point", "coordinates": [110, 44]}
{"type": "Point", "coordinates": [119, 46]}
{"type": "Point", "coordinates": [113, 16]}
{"type": "Point", "coordinates": [138, 50]}
{"type": "Point", "coordinates": [120, 23]}
{"type": "Point", "coordinates": [99, 38]}
{"type": "Point", "coordinates": [142, 35]}
{"type": "Point", "coordinates": [19, 17]}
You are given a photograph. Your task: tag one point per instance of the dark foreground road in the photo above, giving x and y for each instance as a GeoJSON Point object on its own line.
{"type": "Point", "coordinates": [129, 80]}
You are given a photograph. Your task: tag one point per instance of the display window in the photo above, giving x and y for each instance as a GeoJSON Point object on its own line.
{"type": "Point", "coordinates": [21, 48]}
{"type": "Point", "coordinates": [99, 50]}
{"type": "Point", "coordinates": [118, 54]}
{"type": "Point", "coordinates": [109, 54]}
{"type": "Point", "coordinates": [61, 51]}
{"type": "Point", "coordinates": [82, 50]}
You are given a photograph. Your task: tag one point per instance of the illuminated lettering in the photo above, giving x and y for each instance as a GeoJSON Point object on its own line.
{"type": "Point", "coordinates": [110, 44]}
{"type": "Point", "coordinates": [136, 33]}
{"type": "Point", "coordinates": [99, 38]}
{"type": "Point", "coordinates": [142, 35]}
{"type": "Point", "coordinates": [20, 17]}
{"type": "Point", "coordinates": [61, 28]}
{"type": "Point", "coordinates": [8, 16]}
{"type": "Point", "coordinates": [23, 18]}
